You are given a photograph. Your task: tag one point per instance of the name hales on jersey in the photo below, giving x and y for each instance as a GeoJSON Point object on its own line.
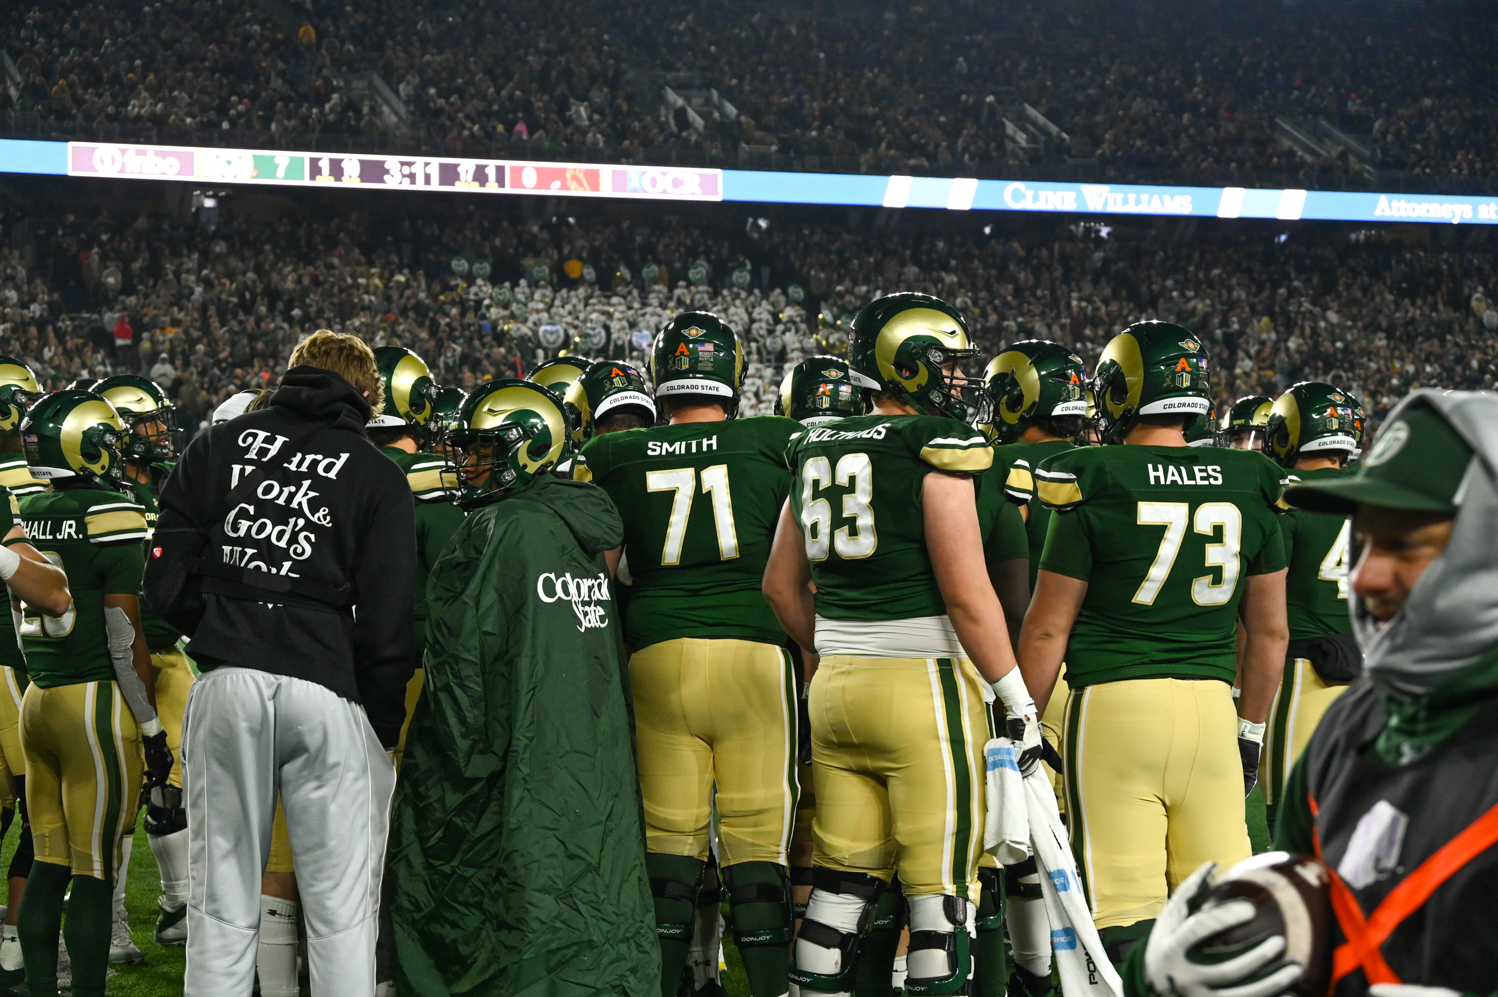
{"type": "Point", "coordinates": [1170, 474]}
{"type": "Point", "coordinates": [53, 529]}
{"type": "Point", "coordinates": [663, 448]}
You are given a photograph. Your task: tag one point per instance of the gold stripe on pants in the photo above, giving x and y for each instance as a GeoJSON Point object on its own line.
{"type": "Point", "coordinates": [1302, 701]}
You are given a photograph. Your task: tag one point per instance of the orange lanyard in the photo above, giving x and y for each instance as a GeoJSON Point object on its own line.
{"type": "Point", "coordinates": [1366, 935]}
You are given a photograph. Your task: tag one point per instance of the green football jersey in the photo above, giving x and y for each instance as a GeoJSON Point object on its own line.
{"type": "Point", "coordinates": [96, 536]}
{"type": "Point", "coordinates": [857, 496]}
{"type": "Point", "coordinates": [1017, 462]}
{"type": "Point", "coordinates": [16, 476]}
{"type": "Point", "coordinates": [699, 502]}
{"type": "Point", "coordinates": [999, 520]}
{"type": "Point", "coordinates": [160, 634]}
{"type": "Point", "coordinates": [1165, 538]}
{"type": "Point", "coordinates": [10, 651]}
{"type": "Point", "coordinates": [438, 517]}
{"type": "Point", "coordinates": [1316, 550]}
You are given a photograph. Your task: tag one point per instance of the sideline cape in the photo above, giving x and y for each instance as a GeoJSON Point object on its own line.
{"type": "Point", "coordinates": [517, 853]}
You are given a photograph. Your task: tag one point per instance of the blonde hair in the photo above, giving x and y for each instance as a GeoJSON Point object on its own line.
{"type": "Point", "coordinates": [346, 355]}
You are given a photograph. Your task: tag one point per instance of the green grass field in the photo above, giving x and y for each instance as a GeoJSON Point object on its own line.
{"type": "Point", "coordinates": [161, 974]}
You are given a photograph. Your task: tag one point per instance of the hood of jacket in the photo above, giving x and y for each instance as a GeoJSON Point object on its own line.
{"type": "Point", "coordinates": [315, 393]}
{"type": "Point", "coordinates": [1450, 620]}
{"type": "Point", "coordinates": [586, 509]}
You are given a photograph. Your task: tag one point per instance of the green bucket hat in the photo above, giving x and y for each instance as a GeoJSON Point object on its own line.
{"type": "Point", "coordinates": [1417, 462]}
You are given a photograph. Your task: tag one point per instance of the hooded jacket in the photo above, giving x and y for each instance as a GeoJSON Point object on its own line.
{"type": "Point", "coordinates": [327, 508]}
{"type": "Point", "coordinates": [1450, 619]}
{"type": "Point", "coordinates": [517, 847]}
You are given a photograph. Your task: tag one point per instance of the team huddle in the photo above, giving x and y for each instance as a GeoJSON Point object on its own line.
{"type": "Point", "coordinates": [826, 615]}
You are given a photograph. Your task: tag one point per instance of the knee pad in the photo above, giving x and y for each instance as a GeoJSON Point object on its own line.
{"type": "Point", "coordinates": [1022, 881]}
{"type": "Point", "coordinates": [940, 957]}
{"type": "Point", "coordinates": [759, 903]}
{"type": "Point", "coordinates": [674, 882]}
{"type": "Point", "coordinates": [165, 813]}
{"type": "Point", "coordinates": [841, 907]}
{"type": "Point", "coordinates": [990, 901]}
{"type": "Point", "coordinates": [800, 876]}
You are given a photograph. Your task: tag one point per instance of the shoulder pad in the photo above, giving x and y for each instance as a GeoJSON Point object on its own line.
{"type": "Point", "coordinates": [18, 479]}
{"type": "Point", "coordinates": [948, 445]}
{"type": "Point", "coordinates": [111, 520]}
{"type": "Point", "coordinates": [431, 480]}
{"type": "Point", "coordinates": [1019, 482]}
{"type": "Point", "coordinates": [580, 469]}
{"type": "Point", "coordinates": [1059, 479]}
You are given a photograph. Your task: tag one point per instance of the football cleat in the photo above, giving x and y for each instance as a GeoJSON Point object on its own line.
{"type": "Point", "coordinates": [171, 926]}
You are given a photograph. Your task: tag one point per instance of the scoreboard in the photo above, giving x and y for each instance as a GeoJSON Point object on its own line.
{"type": "Point", "coordinates": [306, 169]}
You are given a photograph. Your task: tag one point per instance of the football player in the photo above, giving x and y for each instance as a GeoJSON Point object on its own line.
{"type": "Point", "coordinates": [32, 578]}
{"type": "Point", "coordinates": [1035, 405]}
{"type": "Point", "coordinates": [1202, 431]}
{"type": "Point", "coordinates": [402, 431]}
{"type": "Point", "coordinates": [515, 848]}
{"type": "Point", "coordinates": [148, 450]}
{"type": "Point", "coordinates": [818, 390]}
{"type": "Point", "coordinates": [559, 374]}
{"type": "Point", "coordinates": [1157, 549]}
{"type": "Point", "coordinates": [910, 636]}
{"type": "Point", "coordinates": [1242, 425]}
{"type": "Point", "coordinates": [610, 396]}
{"type": "Point", "coordinates": [90, 707]}
{"type": "Point", "coordinates": [1396, 791]}
{"type": "Point", "coordinates": [402, 434]}
{"type": "Point", "coordinates": [18, 391]}
{"type": "Point", "coordinates": [1311, 433]}
{"type": "Point", "coordinates": [699, 498]}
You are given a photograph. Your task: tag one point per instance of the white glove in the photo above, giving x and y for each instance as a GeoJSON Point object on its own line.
{"type": "Point", "coordinates": [1409, 990]}
{"type": "Point", "coordinates": [1170, 973]}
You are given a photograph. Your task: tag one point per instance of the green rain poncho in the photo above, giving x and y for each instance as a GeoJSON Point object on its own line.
{"type": "Point", "coordinates": [516, 848]}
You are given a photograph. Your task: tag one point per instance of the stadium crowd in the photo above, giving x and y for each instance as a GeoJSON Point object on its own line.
{"type": "Point", "coordinates": [206, 311]}
{"type": "Point", "coordinates": [1178, 92]}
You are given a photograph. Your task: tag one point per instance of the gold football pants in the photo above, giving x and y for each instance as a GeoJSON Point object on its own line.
{"type": "Point", "coordinates": [897, 759]}
{"type": "Point", "coordinates": [1302, 701]}
{"type": "Point", "coordinates": [83, 774]}
{"type": "Point", "coordinates": [174, 676]}
{"type": "Point", "coordinates": [1155, 788]}
{"type": "Point", "coordinates": [12, 757]}
{"type": "Point", "coordinates": [716, 712]}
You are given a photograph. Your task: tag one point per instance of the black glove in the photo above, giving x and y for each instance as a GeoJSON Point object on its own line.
{"type": "Point", "coordinates": [1025, 733]}
{"type": "Point", "coordinates": [158, 760]}
{"type": "Point", "coordinates": [1248, 750]}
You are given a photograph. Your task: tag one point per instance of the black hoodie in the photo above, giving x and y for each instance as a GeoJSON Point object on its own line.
{"type": "Point", "coordinates": [329, 509]}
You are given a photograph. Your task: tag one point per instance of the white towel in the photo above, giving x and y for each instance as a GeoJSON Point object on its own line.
{"type": "Point", "coordinates": [1081, 961]}
{"type": "Point", "coordinates": [1006, 825]}
{"type": "Point", "coordinates": [1022, 820]}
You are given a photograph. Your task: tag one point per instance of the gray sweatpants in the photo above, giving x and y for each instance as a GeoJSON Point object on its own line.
{"type": "Point", "coordinates": [246, 735]}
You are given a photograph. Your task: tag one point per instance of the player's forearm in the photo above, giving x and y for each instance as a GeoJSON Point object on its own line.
{"type": "Point", "coordinates": [1040, 657]}
{"type": "Point", "coordinates": [985, 637]}
{"type": "Point", "coordinates": [36, 580]}
{"type": "Point", "coordinates": [1263, 665]}
{"type": "Point", "coordinates": [794, 608]}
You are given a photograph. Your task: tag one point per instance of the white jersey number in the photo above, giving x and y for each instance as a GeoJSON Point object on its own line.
{"type": "Point", "coordinates": [1222, 555]}
{"type": "Point", "coordinates": [1334, 564]}
{"type": "Point", "coordinates": [683, 481]}
{"type": "Point", "coordinates": [42, 624]}
{"type": "Point", "coordinates": [852, 543]}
